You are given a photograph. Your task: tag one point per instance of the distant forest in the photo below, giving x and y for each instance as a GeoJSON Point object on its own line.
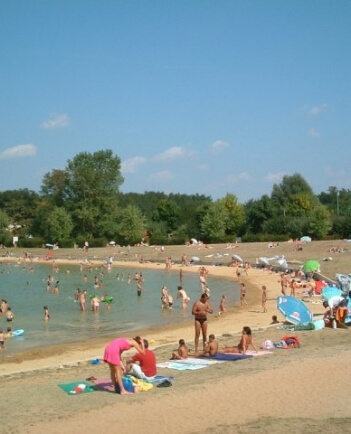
{"type": "Point", "coordinates": [83, 202]}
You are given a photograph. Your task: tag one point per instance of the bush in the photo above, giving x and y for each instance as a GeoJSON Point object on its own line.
{"type": "Point", "coordinates": [29, 243]}
{"type": "Point", "coordinates": [98, 242]}
{"type": "Point", "coordinates": [66, 243]}
{"type": "Point", "coordinates": [263, 238]}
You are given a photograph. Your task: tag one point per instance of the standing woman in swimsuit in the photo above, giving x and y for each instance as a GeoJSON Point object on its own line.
{"type": "Point", "coordinates": [200, 310]}
{"type": "Point", "coordinates": [113, 356]}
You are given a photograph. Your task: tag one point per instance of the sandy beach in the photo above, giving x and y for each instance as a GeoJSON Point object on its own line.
{"type": "Point", "coordinates": [303, 389]}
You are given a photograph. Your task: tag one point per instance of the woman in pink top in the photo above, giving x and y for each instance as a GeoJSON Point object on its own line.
{"type": "Point", "coordinates": [112, 356]}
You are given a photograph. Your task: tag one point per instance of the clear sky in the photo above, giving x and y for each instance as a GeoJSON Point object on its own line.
{"type": "Point", "coordinates": [194, 96]}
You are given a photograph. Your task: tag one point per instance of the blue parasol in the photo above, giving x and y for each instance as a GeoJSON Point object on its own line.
{"type": "Point", "coordinates": [330, 291]}
{"type": "Point", "coordinates": [294, 310]}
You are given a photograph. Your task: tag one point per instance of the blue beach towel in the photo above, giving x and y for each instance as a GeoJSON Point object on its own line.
{"type": "Point", "coordinates": [227, 357]}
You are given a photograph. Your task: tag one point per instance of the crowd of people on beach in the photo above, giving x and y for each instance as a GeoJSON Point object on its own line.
{"type": "Point", "coordinates": [142, 365]}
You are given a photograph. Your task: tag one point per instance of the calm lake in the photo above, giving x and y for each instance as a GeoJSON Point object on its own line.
{"type": "Point", "coordinates": [25, 291]}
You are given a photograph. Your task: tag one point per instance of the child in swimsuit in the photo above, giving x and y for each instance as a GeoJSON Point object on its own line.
{"type": "Point", "coordinates": [182, 351]}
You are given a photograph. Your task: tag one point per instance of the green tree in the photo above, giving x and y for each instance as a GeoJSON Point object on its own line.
{"type": "Point", "coordinates": [58, 225]}
{"type": "Point", "coordinates": [20, 206]}
{"type": "Point", "coordinates": [132, 224]}
{"type": "Point", "coordinates": [293, 196]}
{"type": "Point", "coordinates": [214, 223]}
{"type": "Point", "coordinates": [320, 222]}
{"type": "Point", "coordinates": [54, 187]}
{"type": "Point", "coordinates": [4, 227]}
{"type": "Point", "coordinates": [235, 214]}
{"type": "Point", "coordinates": [167, 211]}
{"type": "Point", "coordinates": [93, 182]}
{"type": "Point", "coordinates": [257, 212]}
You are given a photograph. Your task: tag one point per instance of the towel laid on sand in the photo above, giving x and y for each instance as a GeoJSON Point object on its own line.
{"type": "Point", "coordinates": [235, 356]}
{"type": "Point", "coordinates": [106, 384]}
{"type": "Point", "coordinates": [227, 357]}
{"type": "Point", "coordinates": [78, 387]}
{"type": "Point", "coordinates": [191, 363]}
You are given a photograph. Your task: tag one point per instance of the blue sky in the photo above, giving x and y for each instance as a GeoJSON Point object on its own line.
{"type": "Point", "coordinates": [194, 96]}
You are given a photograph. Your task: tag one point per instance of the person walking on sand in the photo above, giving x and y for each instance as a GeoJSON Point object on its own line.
{"type": "Point", "coordinates": [243, 301]}
{"type": "Point", "coordinates": [264, 298]}
{"type": "Point", "coordinates": [200, 310]}
{"type": "Point", "coordinates": [283, 283]}
{"type": "Point", "coordinates": [113, 356]}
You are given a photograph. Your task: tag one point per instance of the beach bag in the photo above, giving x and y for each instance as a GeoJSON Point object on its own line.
{"type": "Point", "coordinates": [291, 341]}
{"type": "Point", "coordinates": [281, 344]}
{"type": "Point", "coordinates": [127, 384]}
{"type": "Point", "coordinates": [305, 326]}
{"type": "Point", "coordinates": [267, 345]}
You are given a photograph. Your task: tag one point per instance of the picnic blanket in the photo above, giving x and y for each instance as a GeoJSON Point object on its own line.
{"type": "Point", "coordinates": [78, 387]}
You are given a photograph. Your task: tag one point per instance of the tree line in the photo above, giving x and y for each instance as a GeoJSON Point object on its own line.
{"type": "Point", "coordinates": [83, 202]}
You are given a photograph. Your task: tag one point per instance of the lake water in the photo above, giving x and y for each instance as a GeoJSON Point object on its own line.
{"type": "Point", "coordinates": [25, 291]}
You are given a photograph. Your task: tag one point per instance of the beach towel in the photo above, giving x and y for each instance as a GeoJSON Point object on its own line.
{"type": "Point", "coordinates": [159, 379]}
{"type": "Point", "coordinates": [227, 357]}
{"type": "Point", "coordinates": [106, 384]}
{"type": "Point", "coordinates": [259, 353]}
{"type": "Point", "coordinates": [78, 387]}
{"type": "Point", "coordinates": [190, 363]}
{"type": "Point", "coordinates": [181, 366]}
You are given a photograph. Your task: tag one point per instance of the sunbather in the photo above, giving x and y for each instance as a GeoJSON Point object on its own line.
{"type": "Point", "coordinates": [182, 352]}
{"type": "Point", "coordinates": [245, 343]}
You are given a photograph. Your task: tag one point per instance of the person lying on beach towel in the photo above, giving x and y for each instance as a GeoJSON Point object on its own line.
{"type": "Point", "coordinates": [245, 343]}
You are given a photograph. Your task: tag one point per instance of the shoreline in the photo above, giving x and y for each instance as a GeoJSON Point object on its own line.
{"type": "Point", "coordinates": [285, 389]}
{"type": "Point", "coordinates": [229, 323]}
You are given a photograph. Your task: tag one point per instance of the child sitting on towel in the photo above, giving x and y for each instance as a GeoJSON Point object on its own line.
{"type": "Point", "coordinates": [182, 352]}
{"type": "Point", "coordinates": [211, 348]}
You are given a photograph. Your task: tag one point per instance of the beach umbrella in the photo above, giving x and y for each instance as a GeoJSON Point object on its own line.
{"type": "Point", "coordinates": [344, 281]}
{"type": "Point", "coordinates": [311, 266]}
{"type": "Point", "coordinates": [238, 258]}
{"type": "Point", "coordinates": [264, 260]}
{"type": "Point", "coordinates": [306, 239]}
{"type": "Point", "coordinates": [294, 310]}
{"type": "Point", "coordinates": [282, 262]}
{"type": "Point", "coordinates": [330, 291]}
